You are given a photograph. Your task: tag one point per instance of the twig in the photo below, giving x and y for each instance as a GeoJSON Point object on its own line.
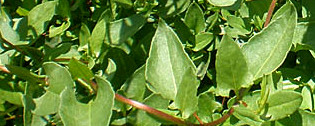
{"type": "Point", "coordinates": [270, 11]}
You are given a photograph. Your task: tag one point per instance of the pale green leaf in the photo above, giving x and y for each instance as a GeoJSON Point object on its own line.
{"type": "Point", "coordinates": [222, 3]}
{"type": "Point", "coordinates": [84, 35]}
{"type": "Point", "coordinates": [167, 62]}
{"type": "Point", "coordinates": [8, 34]}
{"type": "Point", "coordinates": [186, 98]}
{"type": "Point", "coordinates": [39, 16]}
{"type": "Point", "coordinates": [266, 51]}
{"type": "Point", "coordinates": [207, 106]}
{"type": "Point", "coordinates": [95, 113]}
{"type": "Point", "coordinates": [281, 104]}
{"type": "Point", "coordinates": [97, 37]}
{"type": "Point", "coordinates": [194, 18]}
{"type": "Point", "coordinates": [308, 118]}
{"type": "Point", "coordinates": [231, 67]}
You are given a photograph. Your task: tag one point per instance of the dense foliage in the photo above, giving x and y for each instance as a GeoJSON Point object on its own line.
{"type": "Point", "coordinates": [194, 62]}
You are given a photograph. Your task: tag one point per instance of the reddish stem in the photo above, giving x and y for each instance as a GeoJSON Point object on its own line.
{"type": "Point", "coordinates": [149, 109]}
{"type": "Point", "coordinates": [270, 11]}
{"type": "Point", "coordinates": [199, 120]}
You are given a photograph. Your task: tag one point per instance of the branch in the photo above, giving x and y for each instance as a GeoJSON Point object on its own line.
{"type": "Point", "coordinates": [270, 11]}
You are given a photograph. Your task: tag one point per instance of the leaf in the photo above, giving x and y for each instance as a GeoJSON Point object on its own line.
{"type": "Point", "coordinates": [194, 18]}
{"type": "Point", "coordinates": [246, 115]}
{"type": "Point", "coordinates": [122, 29]}
{"type": "Point", "coordinates": [11, 97]}
{"type": "Point", "coordinates": [80, 70]}
{"type": "Point", "coordinates": [281, 104]}
{"type": "Point", "coordinates": [308, 118]}
{"type": "Point", "coordinates": [307, 98]}
{"type": "Point", "coordinates": [40, 15]}
{"type": "Point", "coordinates": [186, 98]}
{"type": "Point", "coordinates": [167, 62]}
{"type": "Point", "coordinates": [54, 31]}
{"type": "Point", "coordinates": [84, 35]}
{"type": "Point", "coordinates": [58, 79]}
{"type": "Point", "coordinates": [97, 37]}
{"type": "Point", "coordinates": [222, 3]}
{"type": "Point", "coordinates": [231, 67]}
{"type": "Point", "coordinates": [202, 40]}
{"type": "Point", "coordinates": [168, 8]}
{"type": "Point", "coordinates": [8, 34]}
{"type": "Point", "coordinates": [135, 85]}
{"type": "Point", "coordinates": [266, 51]}
{"type": "Point", "coordinates": [24, 73]}
{"type": "Point", "coordinates": [207, 106]}
{"type": "Point", "coordinates": [95, 113]}
{"type": "Point", "coordinates": [156, 101]}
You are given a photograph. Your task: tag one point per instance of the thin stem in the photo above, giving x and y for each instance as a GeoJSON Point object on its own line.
{"type": "Point", "coordinates": [149, 109]}
{"type": "Point", "coordinates": [270, 11]}
{"type": "Point", "coordinates": [199, 120]}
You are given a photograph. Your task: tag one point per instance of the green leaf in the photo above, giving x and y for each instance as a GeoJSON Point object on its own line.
{"type": "Point", "coordinates": [8, 34]}
{"type": "Point", "coordinates": [194, 18]}
{"type": "Point", "coordinates": [84, 35]}
{"type": "Point", "coordinates": [307, 98]}
{"type": "Point", "coordinates": [186, 98]}
{"type": "Point", "coordinates": [167, 62]}
{"type": "Point", "coordinates": [24, 73]}
{"type": "Point", "coordinates": [231, 67]}
{"type": "Point", "coordinates": [40, 15]}
{"type": "Point", "coordinates": [95, 113]}
{"type": "Point", "coordinates": [207, 106]}
{"type": "Point", "coordinates": [308, 118]}
{"type": "Point", "coordinates": [58, 79]}
{"type": "Point", "coordinates": [122, 29]}
{"type": "Point", "coordinates": [156, 101]}
{"type": "Point", "coordinates": [247, 115]}
{"type": "Point", "coordinates": [80, 70]}
{"type": "Point", "coordinates": [222, 3]}
{"type": "Point", "coordinates": [97, 37]}
{"type": "Point", "coordinates": [202, 40]}
{"type": "Point", "coordinates": [135, 85]}
{"type": "Point", "coordinates": [281, 104]}
{"type": "Point", "coordinates": [54, 31]}
{"type": "Point", "coordinates": [266, 51]}
{"type": "Point", "coordinates": [168, 8]}
{"type": "Point", "coordinates": [11, 97]}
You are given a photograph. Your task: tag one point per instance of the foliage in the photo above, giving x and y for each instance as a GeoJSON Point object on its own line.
{"type": "Point", "coordinates": [157, 62]}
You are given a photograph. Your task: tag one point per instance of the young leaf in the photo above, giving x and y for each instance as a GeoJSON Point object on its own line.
{"type": "Point", "coordinates": [95, 113]}
{"type": "Point", "coordinates": [167, 62]}
{"type": "Point", "coordinates": [97, 37]}
{"type": "Point", "coordinates": [281, 104]}
{"type": "Point", "coordinates": [39, 15]}
{"type": "Point", "coordinates": [194, 18]}
{"type": "Point", "coordinates": [231, 67]}
{"type": "Point", "coordinates": [246, 115]}
{"type": "Point", "coordinates": [186, 98]}
{"type": "Point", "coordinates": [267, 50]}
